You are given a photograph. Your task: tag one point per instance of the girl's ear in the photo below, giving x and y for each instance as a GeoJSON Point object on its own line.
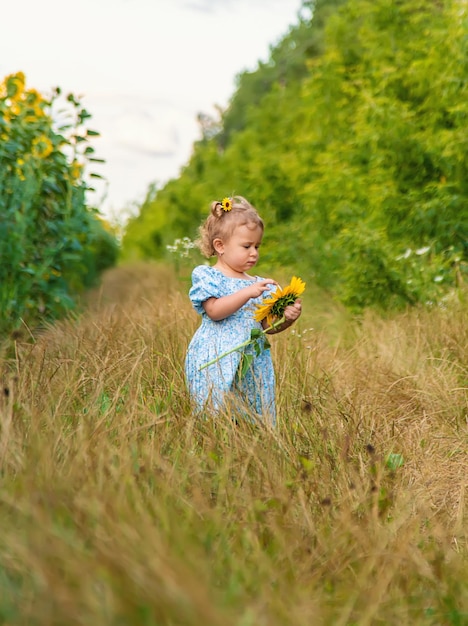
{"type": "Point", "coordinates": [218, 245]}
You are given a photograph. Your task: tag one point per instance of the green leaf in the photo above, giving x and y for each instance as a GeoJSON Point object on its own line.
{"type": "Point", "coordinates": [84, 115]}
{"type": "Point", "coordinates": [255, 333]}
{"type": "Point", "coordinates": [245, 363]}
{"type": "Point", "coordinates": [394, 461]}
{"type": "Point", "coordinates": [307, 464]}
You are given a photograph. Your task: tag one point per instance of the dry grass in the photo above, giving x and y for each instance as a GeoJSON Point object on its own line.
{"type": "Point", "coordinates": [119, 508]}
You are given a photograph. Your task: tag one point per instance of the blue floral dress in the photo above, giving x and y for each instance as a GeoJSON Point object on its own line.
{"type": "Point", "coordinates": [215, 385]}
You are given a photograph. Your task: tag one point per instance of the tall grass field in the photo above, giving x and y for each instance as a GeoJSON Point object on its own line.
{"type": "Point", "coordinates": [119, 507]}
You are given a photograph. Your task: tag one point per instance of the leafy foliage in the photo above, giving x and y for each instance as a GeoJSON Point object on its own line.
{"type": "Point", "coordinates": [355, 154]}
{"type": "Point", "coordinates": [52, 245]}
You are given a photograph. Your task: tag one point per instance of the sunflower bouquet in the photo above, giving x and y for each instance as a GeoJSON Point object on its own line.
{"type": "Point", "coordinates": [272, 310]}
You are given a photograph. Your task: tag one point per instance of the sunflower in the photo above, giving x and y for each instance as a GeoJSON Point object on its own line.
{"type": "Point", "coordinates": [227, 204]}
{"type": "Point", "coordinates": [42, 147]}
{"type": "Point", "coordinates": [75, 170]}
{"type": "Point", "coordinates": [273, 307]}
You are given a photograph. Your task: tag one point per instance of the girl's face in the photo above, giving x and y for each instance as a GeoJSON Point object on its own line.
{"type": "Point", "coordinates": [239, 253]}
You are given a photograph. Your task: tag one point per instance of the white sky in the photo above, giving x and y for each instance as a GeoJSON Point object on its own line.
{"type": "Point", "coordinates": [145, 68]}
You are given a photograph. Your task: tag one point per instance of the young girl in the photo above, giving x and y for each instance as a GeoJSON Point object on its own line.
{"type": "Point", "coordinates": [226, 296]}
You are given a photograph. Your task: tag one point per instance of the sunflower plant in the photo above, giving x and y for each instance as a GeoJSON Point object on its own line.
{"type": "Point", "coordinates": [272, 310]}
{"type": "Point", "coordinates": [52, 244]}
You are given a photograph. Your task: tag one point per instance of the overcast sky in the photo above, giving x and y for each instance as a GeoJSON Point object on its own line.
{"type": "Point", "coordinates": [145, 68]}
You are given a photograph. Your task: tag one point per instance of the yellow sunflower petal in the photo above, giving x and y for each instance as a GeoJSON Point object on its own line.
{"type": "Point", "coordinates": [263, 309]}
{"type": "Point", "coordinates": [261, 312]}
{"type": "Point", "coordinates": [297, 286]}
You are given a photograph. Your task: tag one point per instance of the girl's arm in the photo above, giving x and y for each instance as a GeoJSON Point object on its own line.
{"type": "Point", "coordinates": [219, 308]}
{"type": "Point", "coordinates": [291, 313]}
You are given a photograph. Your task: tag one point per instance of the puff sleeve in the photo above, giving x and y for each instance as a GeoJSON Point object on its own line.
{"type": "Point", "coordinates": [205, 284]}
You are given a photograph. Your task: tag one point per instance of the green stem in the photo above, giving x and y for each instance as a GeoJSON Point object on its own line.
{"type": "Point", "coordinates": [274, 325]}
{"type": "Point", "coordinates": [244, 344]}
{"type": "Point", "coordinates": [239, 347]}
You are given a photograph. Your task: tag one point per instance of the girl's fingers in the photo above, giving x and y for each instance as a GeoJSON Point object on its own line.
{"type": "Point", "coordinates": [293, 311]}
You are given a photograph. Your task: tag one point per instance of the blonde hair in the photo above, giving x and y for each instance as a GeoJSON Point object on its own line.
{"type": "Point", "coordinates": [220, 224]}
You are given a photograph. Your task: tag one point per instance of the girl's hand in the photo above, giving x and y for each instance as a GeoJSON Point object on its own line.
{"type": "Point", "coordinates": [293, 311]}
{"type": "Point", "coordinates": [260, 286]}
{"type": "Point", "coordinates": [291, 314]}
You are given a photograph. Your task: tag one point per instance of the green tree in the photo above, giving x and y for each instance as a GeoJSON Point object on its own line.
{"type": "Point", "coordinates": [385, 142]}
